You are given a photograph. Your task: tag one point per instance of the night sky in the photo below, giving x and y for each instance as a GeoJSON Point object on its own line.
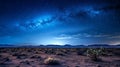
{"type": "Point", "coordinates": [60, 22]}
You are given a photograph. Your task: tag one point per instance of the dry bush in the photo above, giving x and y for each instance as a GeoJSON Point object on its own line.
{"type": "Point", "coordinates": [80, 51]}
{"type": "Point", "coordinates": [4, 59]}
{"type": "Point", "coordinates": [36, 57]}
{"type": "Point", "coordinates": [94, 53]}
{"type": "Point", "coordinates": [20, 56]}
{"type": "Point", "coordinates": [51, 61]}
{"type": "Point", "coordinates": [60, 54]}
{"type": "Point", "coordinates": [25, 62]}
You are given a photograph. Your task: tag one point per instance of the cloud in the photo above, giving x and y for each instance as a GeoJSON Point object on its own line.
{"type": "Point", "coordinates": [96, 35]}
{"type": "Point", "coordinates": [82, 35]}
{"type": "Point", "coordinates": [115, 37]}
{"type": "Point", "coordinates": [86, 35]}
{"type": "Point", "coordinates": [64, 37]}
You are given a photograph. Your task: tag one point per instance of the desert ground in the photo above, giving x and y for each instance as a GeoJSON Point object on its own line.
{"type": "Point", "coordinates": [60, 57]}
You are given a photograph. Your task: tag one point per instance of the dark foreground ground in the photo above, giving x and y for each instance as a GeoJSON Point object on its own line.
{"type": "Point", "coordinates": [66, 57]}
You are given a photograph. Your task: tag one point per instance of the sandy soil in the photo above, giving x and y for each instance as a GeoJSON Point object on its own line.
{"type": "Point", "coordinates": [35, 57]}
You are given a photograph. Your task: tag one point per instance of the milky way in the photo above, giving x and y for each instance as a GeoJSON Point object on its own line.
{"type": "Point", "coordinates": [60, 22]}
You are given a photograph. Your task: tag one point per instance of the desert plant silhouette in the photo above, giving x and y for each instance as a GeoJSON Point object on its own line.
{"type": "Point", "coordinates": [94, 53]}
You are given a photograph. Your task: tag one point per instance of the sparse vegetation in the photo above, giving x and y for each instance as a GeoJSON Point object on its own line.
{"type": "Point", "coordinates": [61, 57]}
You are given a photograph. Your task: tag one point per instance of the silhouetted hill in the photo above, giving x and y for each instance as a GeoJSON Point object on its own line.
{"type": "Point", "coordinates": [62, 46]}
{"type": "Point", "coordinates": [99, 45]}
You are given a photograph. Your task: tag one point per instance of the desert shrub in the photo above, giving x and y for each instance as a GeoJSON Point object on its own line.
{"type": "Point", "coordinates": [29, 50]}
{"type": "Point", "coordinates": [116, 52]}
{"type": "Point", "coordinates": [3, 50]}
{"type": "Point", "coordinates": [4, 59]}
{"type": "Point", "coordinates": [80, 51]}
{"type": "Point", "coordinates": [25, 62]}
{"type": "Point", "coordinates": [94, 53]}
{"type": "Point", "coordinates": [36, 57]}
{"type": "Point", "coordinates": [60, 54]}
{"type": "Point", "coordinates": [49, 51]}
{"type": "Point", "coordinates": [20, 56]}
{"type": "Point", "coordinates": [51, 61]}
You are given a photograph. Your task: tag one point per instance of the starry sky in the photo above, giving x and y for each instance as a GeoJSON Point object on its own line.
{"type": "Point", "coordinates": [60, 22]}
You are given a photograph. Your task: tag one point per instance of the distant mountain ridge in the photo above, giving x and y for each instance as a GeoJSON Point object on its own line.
{"type": "Point", "coordinates": [63, 46]}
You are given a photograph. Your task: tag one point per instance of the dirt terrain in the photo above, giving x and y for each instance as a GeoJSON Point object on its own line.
{"type": "Point", "coordinates": [62, 57]}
